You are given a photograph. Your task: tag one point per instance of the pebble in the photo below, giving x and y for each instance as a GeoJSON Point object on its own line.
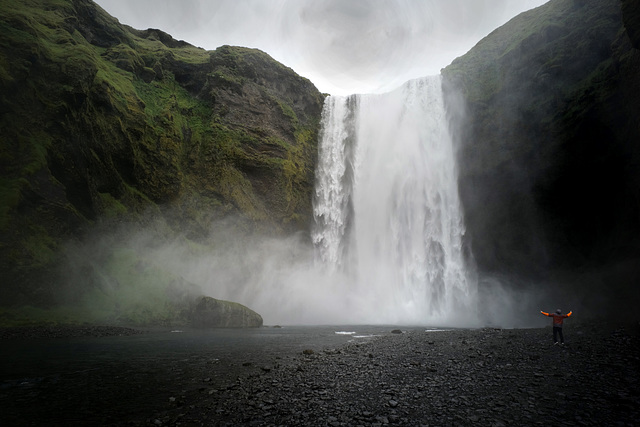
{"type": "Point", "coordinates": [488, 377]}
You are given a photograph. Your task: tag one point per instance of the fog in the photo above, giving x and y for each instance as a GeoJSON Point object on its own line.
{"type": "Point", "coordinates": [280, 278]}
{"type": "Point", "coordinates": [386, 248]}
{"type": "Point", "coordinates": [276, 277]}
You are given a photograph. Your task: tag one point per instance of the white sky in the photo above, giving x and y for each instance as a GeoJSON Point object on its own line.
{"type": "Point", "coordinates": [342, 46]}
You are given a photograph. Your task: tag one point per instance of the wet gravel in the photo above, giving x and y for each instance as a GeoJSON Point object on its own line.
{"type": "Point", "coordinates": [484, 377]}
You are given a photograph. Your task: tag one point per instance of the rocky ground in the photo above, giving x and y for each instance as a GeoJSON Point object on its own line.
{"type": "Point", "coordinates": [487, 377]}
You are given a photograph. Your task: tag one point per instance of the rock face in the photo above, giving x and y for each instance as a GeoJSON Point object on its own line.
{"type": "Point", "coordinates": [212, 313]}
{"type": "Point", "coordinates": [548, 151]}
{"type": "Point", "coordinates": [102, 123]}
{"type": "Point", "coordinates": [631, 18]}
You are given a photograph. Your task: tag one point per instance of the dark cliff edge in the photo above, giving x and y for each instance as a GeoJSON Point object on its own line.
{"type": "Point", "coordinates": [102, 124]}
{"type": "Point", "coordinates": [549, 150]}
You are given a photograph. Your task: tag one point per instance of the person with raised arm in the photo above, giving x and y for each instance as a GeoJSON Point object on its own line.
{"type": "Point", "coordinates": [558, 319]}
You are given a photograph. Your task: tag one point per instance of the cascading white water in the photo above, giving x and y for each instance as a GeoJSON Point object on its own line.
{"type": "Point", "coordinates": [386, 206]}
{"type": "Point", "coordinates": [388, 227]}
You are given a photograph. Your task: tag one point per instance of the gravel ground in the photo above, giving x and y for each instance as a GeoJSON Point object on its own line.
{"type": "Point", "coordinates": [484, 377]}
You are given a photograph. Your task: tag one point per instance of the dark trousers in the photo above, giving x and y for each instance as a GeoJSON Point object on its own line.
{"type": "Point", "coordinates": [557, 331]}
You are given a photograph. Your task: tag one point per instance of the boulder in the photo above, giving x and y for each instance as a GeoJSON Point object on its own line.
{"type": "Point", "coordinates": [214, 313]}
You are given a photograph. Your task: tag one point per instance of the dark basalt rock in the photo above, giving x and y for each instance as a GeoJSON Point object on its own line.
{"type": "Point", "coordinates": [548, 153]}
{"type": "Point", "coordinates": [631, 18]}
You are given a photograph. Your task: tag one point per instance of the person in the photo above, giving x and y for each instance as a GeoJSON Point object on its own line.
{"type": "Point", "coordinates": [558, 318]}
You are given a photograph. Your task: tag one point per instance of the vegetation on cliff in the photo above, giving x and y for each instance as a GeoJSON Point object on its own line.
{"type": "Point", "coordinates": [548, 149]}
{"type": "Point", "coordinates": [102, 124]}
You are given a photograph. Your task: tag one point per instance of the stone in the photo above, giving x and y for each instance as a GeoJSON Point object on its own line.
{"type": "Point", "coordinates": [213, 313]}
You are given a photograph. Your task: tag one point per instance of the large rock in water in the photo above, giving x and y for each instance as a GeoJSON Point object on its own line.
{"type": "Point", "coordinates": [213, 313]}
{"type": "Point", "coordinates": [549, 152]}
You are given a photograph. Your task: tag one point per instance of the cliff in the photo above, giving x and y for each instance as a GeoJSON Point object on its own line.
{"type": "Point", "coordinates": [102, 124]}
{"type": "Point", "coordinates": [548, 151]}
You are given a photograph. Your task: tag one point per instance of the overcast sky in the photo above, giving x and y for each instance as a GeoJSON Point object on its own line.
{"type": "Point", "coordinates": [342, 46]}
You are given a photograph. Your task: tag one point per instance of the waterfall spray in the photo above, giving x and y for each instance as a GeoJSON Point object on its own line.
{"type": "Point", "coordinates": [388, 232]}
{"type": "Point", "coordinates": [387, 211]}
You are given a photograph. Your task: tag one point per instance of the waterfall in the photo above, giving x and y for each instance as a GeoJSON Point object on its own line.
{"type": "Point", "coordinates": [386, 206]}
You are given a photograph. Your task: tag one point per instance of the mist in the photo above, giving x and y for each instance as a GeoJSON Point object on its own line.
{"type": "Point", "coordinates": [386, 248]}
{"type": "Point", "coordinates": [280, 278]}
{"type": "Point", "coordinates": [276, 277]}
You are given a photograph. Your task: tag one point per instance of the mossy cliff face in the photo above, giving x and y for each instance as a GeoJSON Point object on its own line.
{"type": "Point", "coordinates": [549, 150]}
{"type": "Point", "coordinates": [103, 123]}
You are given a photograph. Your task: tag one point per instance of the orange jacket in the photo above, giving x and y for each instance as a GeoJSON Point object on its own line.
{"type": "Point", "coordinates": [557, 318]}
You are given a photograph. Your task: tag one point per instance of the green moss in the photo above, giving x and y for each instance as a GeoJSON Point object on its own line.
{"type": "Point", "coordinates": [41, 247]}
{"type": "Point", "coordinates": [117, 85]}
{"type": "Point", "coordinates": [5, 75]}
{"type": "Point", "coordinates": [9, 198]}
{"type": "Point", "coordinates": [151, 49]}
{"type": "Point", "coordinates": [234, 186]}
{"type": "Point", "coordinates": [226, 56]}
{"type": "Point", "coordinates": [38, 146]}
{"type": "Point", "coordinates": [288, 112]}
{"type": "Point", "coordinates": [133, 290]}
{"type": "Point", "coordinates": [107, 123]}
{"type": "Point", "coordinates": [226, 79]}
{"type": "Point", "coordinates": [124, 57]}
{"type": "Point", "coordinates": [54, 316]}
{"type": "Point", "coordinates": [111, 207]}
{"type": "Point", "coordinates": [171, 108]}
{"type": "Point", "coordinates": [297, 168]}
